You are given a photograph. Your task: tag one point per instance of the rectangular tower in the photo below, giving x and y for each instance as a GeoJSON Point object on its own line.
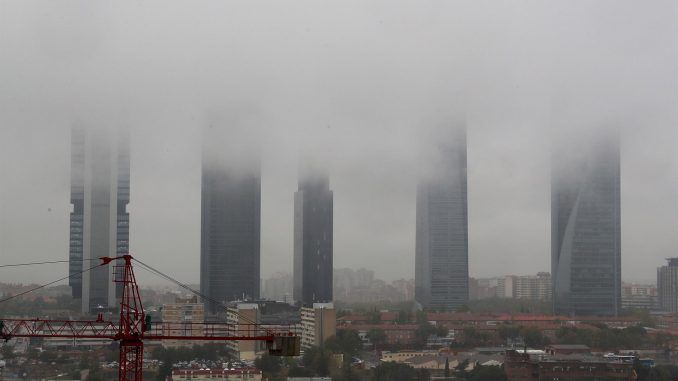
{"type": "Point", "coordinates": [667, 286]}
{"type": "Point", "coordinates": [441, 257]}
{"type": "Point", "coordinates": [586, 225]}
{"type": "Point", "coordinates": [313, 238]}
{"type": "Point", "coordinates": [99, 223]}
{"type": "Point", "coordinates": [230, 227]}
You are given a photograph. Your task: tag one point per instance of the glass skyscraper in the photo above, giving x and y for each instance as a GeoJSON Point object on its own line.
{"type": "Point", "coordinates": [230, 227]}
{"type": "Point", "coordinates": [586, 225]}
{"type": "Point", "coordinates": [313, 238]}
{"type": "Point", "coordinates": [99, 221]}
{"type": "Point", "coordinates": [441, 253]}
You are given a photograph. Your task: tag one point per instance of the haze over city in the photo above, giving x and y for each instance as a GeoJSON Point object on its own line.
{"type": "Point", "coordinates": [363, 87]}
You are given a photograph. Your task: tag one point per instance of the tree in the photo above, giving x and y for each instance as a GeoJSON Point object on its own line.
{"type": "Point", "coordinates": [508, 332]}
{"type": "Point", "coordinates": [377, 337]}
{"type": "Point", "coordinates": [346, 341]}
{"type": "Point", "coordinates": [424, 375]}
{"type": "Point", "coordinates": [7, 352]}
{"type": "Point", "coordinates": [532, 337]}
{"type": "Point", "coordinates": [447, 368]}
{"type": "Point", "coordinates": [487, 373]}
{"type": "Point", "coordinates": [318, 360]}
{"type": "Point", "coordinates": [268, 364]}
{"type": "Point", "coordinates": [297, 371]}
{"type": "Point", "coordinates": [404, 317]}
{"type": "Point", "coordinates": [374, 317]}
{"type": "Point", "coordinates": [391, 371]}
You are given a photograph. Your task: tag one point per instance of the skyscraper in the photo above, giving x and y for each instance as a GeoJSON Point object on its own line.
{"type": "Point", "coordinates": [441, 257]}
{"type": "Point", "coordinates": [313, 238]}
{"type": "Point", "coordinates": [586, 225]}
{"type": "Point", "coordinates": [99, 223]}
{"type": "Point", "coordinates": [667, 285]}
{"type": "Point", "coordinates": [230, 225]}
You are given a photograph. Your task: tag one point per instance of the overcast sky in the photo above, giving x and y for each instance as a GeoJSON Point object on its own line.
{"type": "Point", "coordinates": [359, 83]}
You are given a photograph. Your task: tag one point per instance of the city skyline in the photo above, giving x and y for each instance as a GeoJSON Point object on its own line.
{"type": "Point", "coordinates": [372, 96]}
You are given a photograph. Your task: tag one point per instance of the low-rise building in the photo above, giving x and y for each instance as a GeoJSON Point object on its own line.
{"type": "Point", "coordinates": [318, 323]}
{"type": "Point", "coordinates": [522, 367]}
{"type": "Point", "coordinates": [184, 317]}
{"type": "Point", "coordinates": [244, 317]}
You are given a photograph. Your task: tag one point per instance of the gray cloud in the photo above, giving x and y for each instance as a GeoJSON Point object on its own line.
{"type": "Point", "coordinates": [358, 83]}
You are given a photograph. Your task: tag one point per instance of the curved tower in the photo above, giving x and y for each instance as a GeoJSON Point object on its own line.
{"type": "Point", "coordinates": [586, 226]}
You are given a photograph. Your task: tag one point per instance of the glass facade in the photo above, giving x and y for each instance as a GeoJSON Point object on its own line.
{"type": "Point", "coordinates": [313, 228]}
{"type": "Point", "coordinates": [441, 257]}
{"type": "Point", "coordinates": [586, 227]}
{"type": "Point", "coordinates": [230, 234]}
{"type": "Point", "coordinates": [99, 221]}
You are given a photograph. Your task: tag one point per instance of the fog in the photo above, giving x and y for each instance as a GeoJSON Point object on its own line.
{"type": "Point", "coordinates": [359, 85]}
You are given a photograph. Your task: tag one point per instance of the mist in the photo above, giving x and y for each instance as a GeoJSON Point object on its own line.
{"type": "Point", "coordinates": [359, 86]}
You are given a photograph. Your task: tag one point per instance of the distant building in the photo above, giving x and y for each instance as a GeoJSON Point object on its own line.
{"type": "Point", "coordinates": [313, 238]}
{"type": "Point", "coordinates": [533, 287]}
{"type": "Point", "coordinates": [318, 323]}
{"type": "Point", "coordinates": [184, 317]}
{"type": "Point", "coordinates": [586, 226]}
{"type": "Point", "coordinates": [640, 296]}
{"type": "Point", "coordinates": [99, 221]}
{"type": "Point", "coordinates": [278, 287]}
{"type": "Point", "coordinates": [230, 223]}
{"type": "Point", "coordinates": [441, 248]}
{"type": "Point", "coordinates": [360, 286]}
{"type": "Point", "coordinates": [667, 285]}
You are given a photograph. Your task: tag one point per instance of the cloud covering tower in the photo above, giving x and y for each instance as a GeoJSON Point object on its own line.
{"type": "Point", "coordinates": [586, 225]}
{"type": "Point", "coordinates": [99, 221]}
{"type": "Point", "coordinates": [230, 221]}
{"type": "Point", "coordinates": [441, 253]}
{"type": "Point", "coordinates": [313, 238]}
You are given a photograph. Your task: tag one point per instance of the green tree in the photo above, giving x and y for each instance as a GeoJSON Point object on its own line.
{"type": "Point", "coordinates": [346, 341]}
{"type": "Point", "coordinates": [487, 373]}
{"type": "Point", "coordinates": [508, 332]}
{"type": "Point", "coordinates": [377, 337]}
{"type": "Point", "coordinates": [268, 364]}
{"type": "Point", "coordinates": [7, 352]}
{"type": "Point", "coordinates": [404, 316]}
{"type": "Point", "coordinates": [391, 371]}
{"type": "Point", "coordinates": [424, 375]}
{"type": "Point", "coordinates": [447, 368]}
{"type": "Point", "coordinates": [318, 360]}
{"type": "Point", "coordinates": [532, 336]}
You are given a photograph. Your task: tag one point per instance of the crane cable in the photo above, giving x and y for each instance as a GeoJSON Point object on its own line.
{"type": "Point", "coordinates": [196, 292]}
{"type": "Point", "coordinates": [50, 283]}
{"type": "Point", "coordinates": [49, 262]}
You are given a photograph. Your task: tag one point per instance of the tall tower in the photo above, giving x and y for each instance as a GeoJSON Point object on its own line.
{"type": "Point", "coordinates": [99, 223]}
{"type": "Point", "coordinates": [441, 257]}
{"type": "Point", "coordinates": [230, 224]}
{"type": "Point", "coordinates": [313, 238]}
{"type": "Point", "coordinates": [586, 225]}
{"type": "Point", "coordinates": [667, 285]}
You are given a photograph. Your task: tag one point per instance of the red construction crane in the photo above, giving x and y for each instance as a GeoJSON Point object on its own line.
{"type": "Point", "coordinates": [134, 328]}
